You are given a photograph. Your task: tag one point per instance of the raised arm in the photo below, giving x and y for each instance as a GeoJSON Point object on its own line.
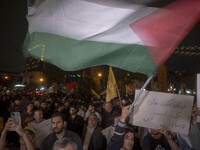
{"type": "Point", "coordinates": [20, 131]}
{"type": "Point", "coordinates": [172, 144]}
{"type": "Point", "coordinates": [195, 113]}
{"type": "Point", "coordinates": [4, 133]}
{"type": "Point", "coordinates": [117, 139]}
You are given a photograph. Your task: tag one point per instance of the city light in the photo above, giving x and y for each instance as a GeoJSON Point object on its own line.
{"type": "Point", "coordinates": [42, 88]}
{"type": "Point", "coordinates": [41, 79]}
{"type": "Point", "coordinates": [78, 75]}
{"type": "Point", "coordinates": [6, 77]}
{"type": "Point", "coordinates": [20, 85]}
{"type": "Point", "coordinates": [99, 74]}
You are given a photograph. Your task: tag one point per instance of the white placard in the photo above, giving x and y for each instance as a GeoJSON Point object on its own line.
{"type": "Point", "coordinates": [171, 110]}
{"type": "Point", "coordinates": [198, 94]}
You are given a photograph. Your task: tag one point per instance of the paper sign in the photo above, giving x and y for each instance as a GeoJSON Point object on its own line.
{"type": "Point", "coordinates": [171, 110]}
{"type": "Point", "coordinates": [198, 94]}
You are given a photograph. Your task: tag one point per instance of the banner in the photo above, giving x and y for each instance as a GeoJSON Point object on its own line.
{"type": "Point", "coordinates": [171, 110]}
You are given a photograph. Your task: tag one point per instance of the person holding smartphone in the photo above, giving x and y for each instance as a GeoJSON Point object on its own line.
{"type": "Point", "coordinates": [27, 135]}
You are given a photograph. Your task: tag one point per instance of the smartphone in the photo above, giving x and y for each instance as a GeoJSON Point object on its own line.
{"type": "Point", "coordinates": [16, 117]}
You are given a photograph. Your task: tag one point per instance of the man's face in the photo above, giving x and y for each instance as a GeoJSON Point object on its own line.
{"type": "Point", "coordinates": [155, 131]}
{"type": "Point", "coordinates": [115, 120]}
{"type": "Point", "coordinates": [44, 105]}
{"type": "Point", "coordinates": [91, 108]}
{"type": "Point", "coordinates": [128, 141]}
{"type": "Point", "coordinates": [34, 98]}
{"type": "Point", "coordinates": [72, 111]}
{"type": "Point", "coordinates": [108, 107]}
{"type": "Point", "coordinates": [38, 116]}
{"type": "Point", "coordinates": [66, 104]}
{"type": "Point", "coordinates": [57, 124]}
{"type": "Point", "coordinates": [30, 107]}
{"type": "Point", "coordinates": [60, 109]}
{"type": "Point", "coordinates": [92, 121]}
{"type": "Point", "coordinates": [68, 147]}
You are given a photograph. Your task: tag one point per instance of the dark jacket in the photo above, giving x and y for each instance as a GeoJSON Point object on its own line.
{"type": "Point", "coordinates": [49, 141]}
{"type": "Point", "coordinates": [97, 141]}
{"type": "Point", "coordinates": [150, 143]}
{"type": "Point", "coordinates": [107, 119]}
{"type": "Point", "coordinates": [116, 141]}
{"type": "Point", "coordinates": [76, 125]}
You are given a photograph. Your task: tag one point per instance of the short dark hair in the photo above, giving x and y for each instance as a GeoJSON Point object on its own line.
{"type": "Point", "coordinates": [72, 106]}
{"type": "Point", "coordinates": [93, 114]}
{"type": "Point", "coordinates": [56, 114]}
{"type": "Point", "coordinates": [37, 110]}
{"type": "Point", "coordinates": [29, 103]}
{"type": "Point", "coordinates": [91, 104]}
{"type": "Point", "coordinates": [129, 129]}
{"type": "Point", "coordinates": [116, 112]}
{"type": "Point", "coordinates": [59, 105]}
{"type": "Point", "coordinates": [62, 143]}
{"type": "Point", "coordinates": [43, 101]}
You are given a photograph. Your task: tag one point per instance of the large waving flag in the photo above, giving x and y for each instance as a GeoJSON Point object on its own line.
{"type": "Point", "coordinates": [111, 91]}
{"type": "Point", "coordinates": [76, 34]}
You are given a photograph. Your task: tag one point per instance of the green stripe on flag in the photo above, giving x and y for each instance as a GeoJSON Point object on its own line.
{"type": "Point", "coordinates": [70, 54]}
{"type": "Point", "coordinates": [64, 90]}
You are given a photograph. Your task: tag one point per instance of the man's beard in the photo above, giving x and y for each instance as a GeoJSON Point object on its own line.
{"type": "Point", "coordinates": [158, 133]}
{"type": "Point", "coordinates": [58, 131]}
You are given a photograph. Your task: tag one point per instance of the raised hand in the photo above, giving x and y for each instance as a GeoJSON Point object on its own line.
{"type": "Point", "coordinates": [195, 113]}
{"type": "Point", "coordinates": [164, 131]}
{"type": "Point", "coordinates": [125, 113]}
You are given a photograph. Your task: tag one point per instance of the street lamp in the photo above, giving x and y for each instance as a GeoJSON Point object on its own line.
{"type": "Point", "coordinates": [6, 77]}
{"type": "Point", "coordinates": [99, 74]}
{"type": "Point", "coordinates": [41, 79]}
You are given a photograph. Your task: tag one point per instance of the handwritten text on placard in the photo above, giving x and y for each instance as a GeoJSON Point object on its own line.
{"type": "Point", "coordinates": [171, 110]}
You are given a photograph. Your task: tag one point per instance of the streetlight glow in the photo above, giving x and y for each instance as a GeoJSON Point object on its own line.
{"type": "Point", "coordinates": [41, 79]}
{"type": "Point", "coordinates": [6, 77]}
{"type": "Point", "coordinates": [99, 74]}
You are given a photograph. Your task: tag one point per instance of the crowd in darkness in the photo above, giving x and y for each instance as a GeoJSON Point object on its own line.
{"type": "Point", "coordinates": [71, 122]}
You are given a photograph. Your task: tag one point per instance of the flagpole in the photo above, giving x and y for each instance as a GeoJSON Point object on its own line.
{"type": "Point", "coordinates": [144, 86]}
{"type": "Point", "coordinates": [119, 95]}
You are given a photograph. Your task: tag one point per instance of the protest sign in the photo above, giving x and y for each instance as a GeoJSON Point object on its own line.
{"type": "Point", "coordinates": [171, 110]}
{"type": "Point", "coordinates": [198, 94]}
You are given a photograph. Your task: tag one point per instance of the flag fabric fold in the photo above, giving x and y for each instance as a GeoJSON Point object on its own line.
{"type": "Point", "coordinates": [95, 93]}
{"type": "Point", "coordinates": [76, 34]}
{"type": "Point", "coordinates": [111, 91]}
{"type": "Point", "coordinates": [68, 88]}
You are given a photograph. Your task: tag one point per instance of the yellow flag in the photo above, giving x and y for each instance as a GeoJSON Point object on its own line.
{"type": "Point", "coordinates": [111, 91]}
{"type": "Point", "coordinates": [95, 93]}
{"type": "Point", "coordinates": [162, 79]}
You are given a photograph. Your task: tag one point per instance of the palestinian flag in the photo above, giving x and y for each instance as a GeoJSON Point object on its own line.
{"type": "Point", "coordinates": [68, 88]}
{"type": "Point", "coordinates": [138, 37]}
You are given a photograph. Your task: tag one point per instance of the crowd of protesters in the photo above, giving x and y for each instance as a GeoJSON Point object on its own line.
{"type": "Point", "coordinates": [67, 122]}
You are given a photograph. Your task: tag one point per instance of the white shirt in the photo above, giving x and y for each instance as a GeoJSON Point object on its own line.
{"type": "Point", "coordinates": [87, 138]}
{"type": "Point", "coordinates": [43, 129]}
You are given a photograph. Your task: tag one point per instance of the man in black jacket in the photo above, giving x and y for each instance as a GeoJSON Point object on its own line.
{"type": "Point", "coordinates": [92, 137]}
{"type": "Point", "coordinates": [59, 131]}
{"type": "Point", "coordinates": [107, 119]}
{"type": "Point", "coordinates": [74, 121]}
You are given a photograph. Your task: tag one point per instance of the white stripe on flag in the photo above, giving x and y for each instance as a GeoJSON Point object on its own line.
{"type": "Point", "coordinates": [73, 19]}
